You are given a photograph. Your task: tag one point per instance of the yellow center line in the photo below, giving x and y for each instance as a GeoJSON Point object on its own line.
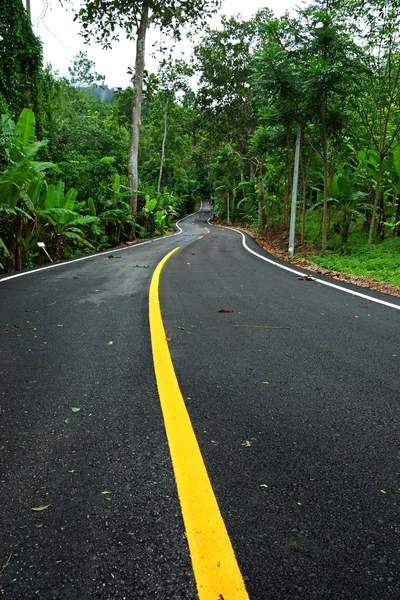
{"type": "Point", "coordinates": [214, 563]}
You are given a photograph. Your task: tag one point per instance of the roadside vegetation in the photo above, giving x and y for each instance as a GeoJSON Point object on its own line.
{"type": "Point", "coordinates": [330, 74]}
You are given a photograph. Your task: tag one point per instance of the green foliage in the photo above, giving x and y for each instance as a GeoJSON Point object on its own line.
{"type": "Point", "coordinates": [381, 260]}
{"type": "Point", "coordinates": [20, 59]}
{"type": "Point", "coordinates": [20, 150]}
{"type": "Point", "coordinates": [59, 212]}
{"type": "Point", "coordinates": [82, 72]}
{"type": "Point", "coordinates": [103, 22]}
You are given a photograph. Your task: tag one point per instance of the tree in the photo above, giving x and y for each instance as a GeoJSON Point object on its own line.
{"type": "Point", "coordinates": [82, 72]}
{"type": "Point", "coordinates": [101, 20]}
{"type": "Point", "coordinates": [222, 59]}
{"type": "Point", "coordinates": [20, 58]}
{"type": "Point", "coordinates": [378, 27]}
{"type": "Point", "coordinates": [329, 71]}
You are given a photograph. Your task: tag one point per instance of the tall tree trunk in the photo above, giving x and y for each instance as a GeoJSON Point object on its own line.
{"type": "Point", "coordinates": [261, 204]}
{"type": "Point", "coordinates": [376, 201]}
{"type": "Point", "coordinates": [18, 247]}
{"type": "Point", "coordinates": [396, 231]}
{"type": "Point", "coordinates": [162, 152]}
{"type": "Point", "coordinates": [380, 228]}
{"type": "Point", "coordinates": [326, 174]}
{"type": "Point", "coordinates": [133, 173]}
{"type": "Point", "coordinates": [288, 184]}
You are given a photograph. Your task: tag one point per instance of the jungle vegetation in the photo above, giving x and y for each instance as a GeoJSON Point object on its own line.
{"type": "Point", "coordinates": [79, 173]}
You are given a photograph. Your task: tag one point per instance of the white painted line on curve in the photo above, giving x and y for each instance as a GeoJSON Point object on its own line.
{"type": "Point", "coordinates": [321, 281]}
{"type": "Point", "coordinates": [74, 260]}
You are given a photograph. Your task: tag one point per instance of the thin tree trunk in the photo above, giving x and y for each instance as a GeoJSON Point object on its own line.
{"type": "Point", "coordinates": [325, 162]}
{"type": "Point", "coordinates": [133, 173]}
{"type": "Point", "coordinates": [18, 247]}
{"type": "Point", "coordinates": [303, 199]}
{"type": "Point", "coordinates": [288, 184]}
{"type": "Point", "coordinates": [261, 205]}
{"type": "Point", "coordinates": [396, 231]}
{"type": "Point", "coordinates": [380, 228]}
{"type": "Point", "coordinates": [162, 152]}
{"type": "Point", "coordinates": [377, 194]}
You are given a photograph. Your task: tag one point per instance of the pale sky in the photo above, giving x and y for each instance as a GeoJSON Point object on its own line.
{"type": "Point", "coordinates": [61, 39]}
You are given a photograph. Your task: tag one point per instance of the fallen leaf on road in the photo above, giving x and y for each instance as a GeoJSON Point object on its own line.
{"type": "Point", "coordinates": [105, 493]}
{"type": "Point", "coordinates": [225, 310]}
{"type": "Point", "coordinates": [75, 409]}
{"type": "Point", "coordinates": [264, 485]}
{"type": "Point", "coordinates": [142, 266]}
{"type": "Point", "coordinates": [66, 421]}
{"type": "Point", "coordinates": [383, 491]}
{"type": "Point", "coordinates": [247, 444]}
{"type": "Point", "coordinates": [168, 339]}
{"type": "Point", "coordinates": [294, 542]}
{"type": "Point", "coordinates": [305, 278]}
{"type": "Point", "coordinates": [110, 343]}
{"type": "Point", "coordinates": [39, 508]}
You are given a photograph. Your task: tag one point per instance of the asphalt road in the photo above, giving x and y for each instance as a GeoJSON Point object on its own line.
{"type": "Point", "coordinates": [293, 397]}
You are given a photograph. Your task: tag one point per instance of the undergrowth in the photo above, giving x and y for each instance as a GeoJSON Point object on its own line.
{"type": "Point", "coordinates": [381, 260]}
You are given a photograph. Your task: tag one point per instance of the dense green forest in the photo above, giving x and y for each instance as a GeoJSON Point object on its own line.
{"type": "Point", "coordinates": [221, 127]}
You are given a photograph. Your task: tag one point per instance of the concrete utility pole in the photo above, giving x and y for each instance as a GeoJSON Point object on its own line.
{"type": "Point", "coordinates": [294, 193]}
{"type": "Point", "coordinates": [28, 8]}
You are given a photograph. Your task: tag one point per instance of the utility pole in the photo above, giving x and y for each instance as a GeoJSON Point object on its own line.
{"type": "Point", "coordinates": [28, 8]}
{"type": "Point", "coordinates": [294, 193]}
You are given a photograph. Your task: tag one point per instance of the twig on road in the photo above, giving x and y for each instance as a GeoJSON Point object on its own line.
{"type": "Point", "coordinates": [7, 563]}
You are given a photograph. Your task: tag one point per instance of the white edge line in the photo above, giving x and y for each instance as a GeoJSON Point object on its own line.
{"type": "Point", "coordinates": [74, 260]}
{"type": "Point", "coordinates": [321, 281]}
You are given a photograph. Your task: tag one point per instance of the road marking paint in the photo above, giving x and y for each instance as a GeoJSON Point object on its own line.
{"type": "Point", "coordinates": [74, 260]}
{"type": "Point", "coordinates": [321, 281]}
{"type": "Point", "coordinates": [214, 563]}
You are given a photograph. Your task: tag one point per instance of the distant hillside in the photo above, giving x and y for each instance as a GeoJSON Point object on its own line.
{"type": "Point", "coordinates": [103, 92]}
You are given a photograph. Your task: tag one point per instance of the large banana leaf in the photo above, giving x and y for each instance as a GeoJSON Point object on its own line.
{"type": "Point", "coordinates": [35, 189]}
{"type": "Point", "coordinates": [25, 127]}
{"type": "Point", "coordinates": [77, 235]}
{"type": "Point", "coordinates": [13, 181]}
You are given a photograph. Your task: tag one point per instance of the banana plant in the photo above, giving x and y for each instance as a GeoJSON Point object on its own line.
{"type": "Point", "coordinates": [347, 199]}
{"type": "Point", "coordinates": [21, 170]}
{"type": "Point", "coordinates": [148, 210]}
{"type": "Point", "coordinates": [20, 184]}
{"type": "Point", "coordinates": [58, 211]}
{"type": "Point", "coordinates": [168, 204]}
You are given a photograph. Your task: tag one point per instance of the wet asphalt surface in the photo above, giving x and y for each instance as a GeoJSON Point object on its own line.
{"type": "Point", "coordinates": [293, 396]}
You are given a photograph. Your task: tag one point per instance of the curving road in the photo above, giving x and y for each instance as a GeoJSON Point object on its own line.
{"type": "Point", "coordinates": [293, 397]}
